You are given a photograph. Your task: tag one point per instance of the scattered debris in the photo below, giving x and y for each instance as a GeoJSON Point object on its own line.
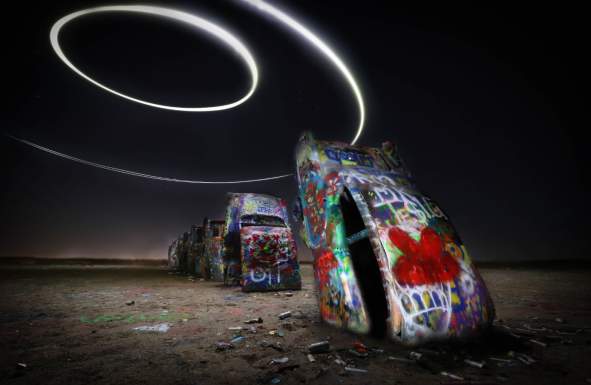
{"type": "Point", "coordinates": [289, 294]}
{"type": "Point", "coordinates": [357, 354]}
{"type": "Point", "coordinates": [319, 347]}
{"type": "Point", "coordinates": [282, 360]}
{"type": "Point", "coordinates": [339, 361]}
{"type": "Point", "coordinates": [476, 364]}
{"type": "Point", "coordinates": [285, 315]}
{"type": "Point", "coordinates": [275, 345]}
{"type": "Point", "coordinates": [221, 346]}
{"type": "Point", "coordinates": [559, 320]}
{"type": "Point", "coordinates": [275, 380]}
{"type": "Point", "coordinates": [400, 359]}
{"type": "Point", "coordinates": [311, 358]}
{"type": "Point", "coordinates": [355, 370]}
{"type": "Point", "coordinates": [279, 333]}
{"type": "Point", "coordinates": [237, 339]}
{"type": "Point", "coordinates": [539, 343]}
{"type": "Point", "coordinates": [506, 361]}
{"type": "Point", "coordinates": [21, 365]}
{"type": "Point", "coordinates": [415, 355]}
{"type": "Point", "coordinates": [129, 303]}
{"type": "Point", "coordinates": [359, 347]}
{"type": "Point", "coordinates": [254, 321]}
{"type": "Point", "coordinates": [159, 328]}
{"type": "Point", "coordinates": [525, 358]}
{"type": "Point", "coordinates": [235, 328]}
{"type": "Point", "coordinates": [453, 376]}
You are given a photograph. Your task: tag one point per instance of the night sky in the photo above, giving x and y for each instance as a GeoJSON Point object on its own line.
{"type": "Point", "coordinates": [483, 104]}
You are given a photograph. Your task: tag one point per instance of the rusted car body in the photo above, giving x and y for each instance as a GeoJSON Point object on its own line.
{"type": "Point", "coordinates": [213, 265]}
{"type": "Point", "coordinates": [259, 250]}
{"type": "Point", "coordinates": [387, 260]}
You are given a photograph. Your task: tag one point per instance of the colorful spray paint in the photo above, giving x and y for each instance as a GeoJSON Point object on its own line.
{"type": "Point", "coordinates": [213, 266]}
{"type": "Point", "coordinates": [432, 289]}
{"type": "Point", "coordinates": [259, 250]}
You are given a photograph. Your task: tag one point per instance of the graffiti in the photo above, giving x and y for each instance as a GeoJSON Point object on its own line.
{"type": "Point", "coordinates": [432, 288]}
{"type": "Point", "coordinates": [213, 248]}
{"type": "Point", "coordinates": [259, 250]}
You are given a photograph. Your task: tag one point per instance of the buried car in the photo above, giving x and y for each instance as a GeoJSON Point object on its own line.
{"type": "Point", "coordinates": [212, 265]}
{"type": "Point", "coordinates": [195, 250]}
{"type": "Point", "coordinates": [259, 250]}
{"type": "Point", "coordinates": [387, 260]}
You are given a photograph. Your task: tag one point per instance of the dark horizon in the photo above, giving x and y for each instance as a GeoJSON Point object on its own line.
{"type": "Point", "coordinates": [483, 103]}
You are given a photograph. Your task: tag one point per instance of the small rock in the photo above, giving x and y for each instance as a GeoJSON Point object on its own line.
{"type": "Point", "coordinates": [311, 358]}
{"type": "Point", "coordinates": [129, 303]}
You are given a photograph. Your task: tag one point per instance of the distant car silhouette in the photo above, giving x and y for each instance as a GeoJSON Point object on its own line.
{"type": "Point", "coordinates": [387, 260]}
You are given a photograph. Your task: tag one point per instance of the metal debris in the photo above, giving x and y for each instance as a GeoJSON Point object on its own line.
{"type": "Point", "coordinates": [311, 358]}
{"type": "Point", "coordinates": [476, 364]}
{"type": "Point", "coordinates": [355, 370]}
{"type": "Point", "coordinates": [400, 359]}
{"type": "Point", "coordinates": [282, 360]}
{"type": "Point", "coordinates": [506, 361]}
{"type": "Point", "coordinates": [357, 354]}
{"type": "Point", "coordinates": [237, 339]}
{"type": "Point", "coordinates": [254, 321]}
{"type": "Point", "coordinates": [339, 360]}
{"type": "Point", "coordinates": [453, 376]}
{"type": "Point", "coordinates": [359, 347]}
{"type": "Point", "coordinates": [221, 346]}
{"type": "Point", "coordinates": [285, 315]}
{"type": "Point", "coordinates": [415, 355]}
{"type": "Point", "coordinates": [319, 347]}
{"type": "Point", "coordinates": [539, 343]}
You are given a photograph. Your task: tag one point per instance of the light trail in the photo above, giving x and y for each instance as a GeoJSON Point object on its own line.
{"type": "Point", "coordinates": [140, 174]}
{"type": "Point", "coordinates": [226, 37]}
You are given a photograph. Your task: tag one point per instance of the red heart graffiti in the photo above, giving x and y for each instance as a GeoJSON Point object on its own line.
{"type": "Point", "coordinates": [423, 262]}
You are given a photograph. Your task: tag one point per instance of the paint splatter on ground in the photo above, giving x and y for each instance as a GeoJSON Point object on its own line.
{"type": "Point", "coordinates": [73, 325]}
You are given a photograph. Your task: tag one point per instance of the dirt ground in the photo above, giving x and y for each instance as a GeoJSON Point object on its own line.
{"type": "Point", "coordinates": [75, 325]}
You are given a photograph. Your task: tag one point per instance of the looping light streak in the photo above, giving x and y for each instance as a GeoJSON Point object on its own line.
{"type": "Point", "coordinates": [225, 37]}
{"type": "Point", "coordinates": [139, 174]}
{"type": "Point", "coordinates": [173, 14]}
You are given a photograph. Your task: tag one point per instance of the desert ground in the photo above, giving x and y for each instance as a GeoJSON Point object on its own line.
{"type": "Point", "coordinates": [77, 325]}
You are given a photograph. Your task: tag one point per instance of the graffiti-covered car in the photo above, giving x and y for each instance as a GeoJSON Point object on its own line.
{"type": "Point", "coordinates": [259, 249]}
{"type": "Point", "coordinates": [387, 260]}
{"type": "Point", "coordinates": [195, 250]}
{"type": "Point", "coordinates": [182, 251]}
{"type": "Point", "coordinates": [213, 265]}
{"type": "Point", "coordinates": [173, 260]}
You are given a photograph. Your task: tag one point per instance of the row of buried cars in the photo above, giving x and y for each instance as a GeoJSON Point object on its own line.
{"type": "Point", "coordinates": [387, 260]}
{"type": "Point", "coordinates": [252, 247]}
